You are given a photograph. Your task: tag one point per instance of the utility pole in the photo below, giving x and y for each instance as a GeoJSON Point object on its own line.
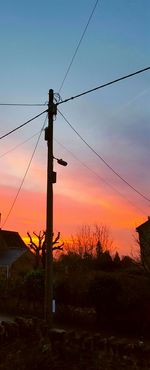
{"type": "Point", "coordinates": [51, 179]}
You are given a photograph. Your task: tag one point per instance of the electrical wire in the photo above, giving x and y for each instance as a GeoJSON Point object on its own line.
{"type": "Point", "coordinates": [22, 104]}
{"type": "Point", "coordinates": [103, 160]}
{"type": "Point", "coordinates": [104, 85]}
{"type": "Point", "coordinates": [23, 124]}
{"type": "Point", "coordinates": [17, 146]}
{"type": "Point", "coordinates": [27, 169]}
{"type": "Point", "coordinates": [101, 178]}
{"type": "Point", "coordinates": [79, 43]}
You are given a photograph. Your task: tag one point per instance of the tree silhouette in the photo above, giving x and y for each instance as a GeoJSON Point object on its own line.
{"type": "Point", "coordinates": [39, 248]}
{"type": "Point", "coordinates": [91, 240]}
{"type": "Point", "coordinates": [99, 249]}
{"type": "Point", "coordinates": [117, 260]}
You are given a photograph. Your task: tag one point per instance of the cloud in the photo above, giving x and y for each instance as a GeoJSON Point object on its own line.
{"type": "Point", "coordinates": [84, 205]}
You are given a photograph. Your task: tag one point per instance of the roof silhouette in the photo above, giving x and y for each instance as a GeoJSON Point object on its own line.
{"type": "Point", "coordinates": [144, 226]}
{"type": "Point", "coordinates": [11, 247]}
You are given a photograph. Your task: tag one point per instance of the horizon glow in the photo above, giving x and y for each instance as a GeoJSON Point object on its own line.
{"type": "Point", "coordinates": [37, 44]}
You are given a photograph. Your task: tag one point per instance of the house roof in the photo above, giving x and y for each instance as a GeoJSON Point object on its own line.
{"type": "Point", "coordinates": [11, 247]}
{"type": "Point", "coordinates": [145, 226]}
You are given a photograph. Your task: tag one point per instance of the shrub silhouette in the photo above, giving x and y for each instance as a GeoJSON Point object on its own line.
{"type": "Point", "coordinates": [34, 285]}
{"type": "Point", "coordinates": [105, 292]}
{"type": "Point", "coordinates": [117, 260]}
{"type": "Point", "coordinates": [104, 262]}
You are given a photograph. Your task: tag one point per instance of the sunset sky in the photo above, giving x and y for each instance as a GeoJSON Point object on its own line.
{"type": "Point", "coordinates": [37, 41]}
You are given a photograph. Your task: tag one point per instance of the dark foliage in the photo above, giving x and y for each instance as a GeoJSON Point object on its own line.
{"type": "Point", "coordinates": [34, 285]}
{"type": "Point", "coordinates": [116, 261]}
{"type": "Point", "coordinates": [104, 262]}
{"type": "Point", "coordinates": [117, 289]}
{"type": "Point", "coordinates": [105, 291]}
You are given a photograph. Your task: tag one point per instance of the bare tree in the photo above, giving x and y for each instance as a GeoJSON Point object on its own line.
{"type": "Point", "coordinates": [39, 248]}
{"type": "Point", "coordinates": [90, 239]}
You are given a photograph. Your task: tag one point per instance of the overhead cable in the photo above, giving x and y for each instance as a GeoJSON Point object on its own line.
{"type": "Point", "coordinates": [27, 169]}
{"type": "Point", "coordinates": [79, 43]}
{"type": "Point", "coordinates": [101, 178]}
{"type": "Point", "coordinates": [23, 124]}
{"type": "Point", "coordinates": [103, 160]}
{"type": "Point", "coordinates": [23, 104]}
{"type": "Point", "coordinates": [104, 85]}
{"type": "Point", "coordinates": [20, 144]}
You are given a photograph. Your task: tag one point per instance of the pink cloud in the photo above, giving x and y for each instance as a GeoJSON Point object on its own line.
{"type": "Point", "coordinates": [75, 203]}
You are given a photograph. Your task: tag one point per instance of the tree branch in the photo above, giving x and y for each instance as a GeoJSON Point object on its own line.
{"type": "Point", "coordinates": [60, 247]}
{"type": "Point", "coordinates": [31, 241]}
{"type": "Point", "coordinates": [32, 247]}
{"type": "Point", "coordinates": [56, 239]}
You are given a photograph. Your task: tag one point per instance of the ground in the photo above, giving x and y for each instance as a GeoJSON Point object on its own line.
{"type": "Point", "coordinates": [36, 348]}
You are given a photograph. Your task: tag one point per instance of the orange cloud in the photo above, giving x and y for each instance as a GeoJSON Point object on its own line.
{"type": "Point", "coordinates": [76, 202]}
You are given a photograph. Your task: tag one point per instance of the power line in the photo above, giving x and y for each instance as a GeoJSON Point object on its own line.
{"type": "Point", "coordinates": [101, 178]}
{"type": "Point", "coordinates": [23, 124]}
{"type": "Point", "coordinates": [103, 160]}
{"type": "Point", "coordinates": [22, 104]}
{"type": "Point", "coordinates": [79, 43]}
{"type": "Point", "coordinates": [27, 169]}
{"type": "Point", "coordinates": [104, 85]}
{"type": "Point", "coordinates": [17, 146]}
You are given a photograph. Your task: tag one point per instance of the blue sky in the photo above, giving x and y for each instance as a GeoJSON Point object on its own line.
{"type": "Point", "coordinates": [37, 41]}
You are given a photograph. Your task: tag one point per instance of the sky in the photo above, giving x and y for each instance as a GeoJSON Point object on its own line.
{"type": "Point", "coordinates": [37, 42]}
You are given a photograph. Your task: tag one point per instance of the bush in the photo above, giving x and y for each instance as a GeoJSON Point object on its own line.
{"type": "Point", "coordinates": [104, 262]}
{"type": "Point", "coordinates": [69, 262]}
{"type": "Point", "coordinates": [72, 290]}
{"type": "Point", "coordinates": [105, 291]}
{"type": "Point", "coordinates": [122, 302]}
{"type": "Point", "coordinates": [34, 285]}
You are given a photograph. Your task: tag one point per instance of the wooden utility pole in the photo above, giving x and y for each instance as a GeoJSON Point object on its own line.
{"type": "Point", "coordinates": [51, 178]}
